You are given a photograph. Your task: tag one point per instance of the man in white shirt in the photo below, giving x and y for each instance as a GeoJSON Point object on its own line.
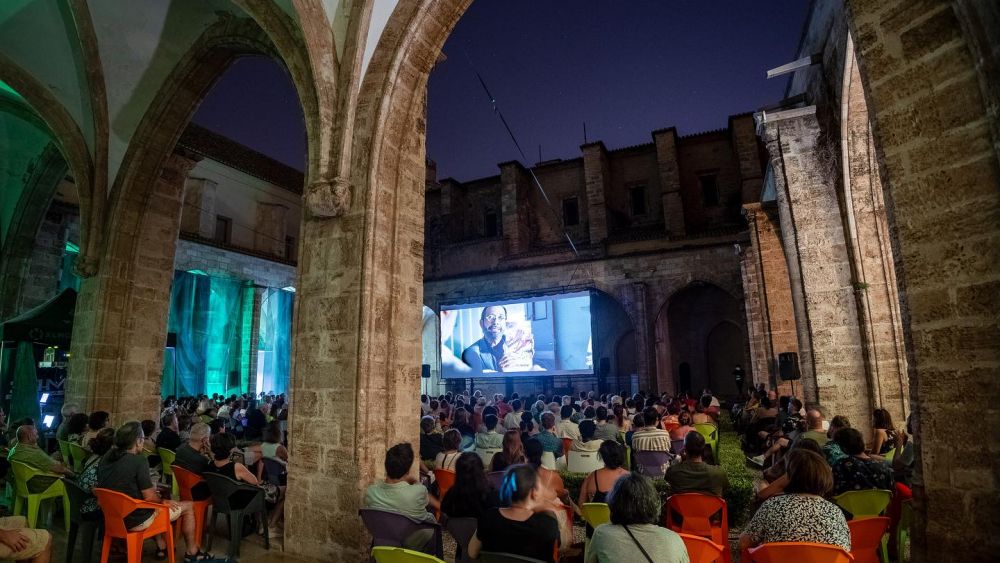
{"type": "Point", "coordinates": [513, 419]}
{"type": "Point", "coordinates": [566, 427]}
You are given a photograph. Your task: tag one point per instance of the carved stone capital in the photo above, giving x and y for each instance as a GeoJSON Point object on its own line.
{"type": "Point", "coordinates": [85, 266]}
{"type": "Point", "coordinates": [328, 198]}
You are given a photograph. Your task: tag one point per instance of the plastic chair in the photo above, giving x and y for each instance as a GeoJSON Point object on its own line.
{"type": "Point", "coordinates": [868, 538]}
{"type": "Point", "coordinates": [701, 550]}
{"type": "Point", "coordinates": [651, 464]}
{"type": "Point", "coordinates": [711, 434]}
{"type": "Point", "coordinates": [116, 506]}
{"type": "Point", "coordinates": [583, 462]}
{"type": "Point", "coordinates": [890, 454]}
{"type": "Point", "coordinates": [399, 555]}
{"type": "Point", "coordinates": [800, 552]}
{"type": "Point", "coordinates": [667, 427]}
{"type": "Point", "coordinates": [595, 513]}
{"type": "Point", "coordinates": [66, 453]}
{"type": "Point", "coordinates": [390, 528]}
{"type": "Point", "coordinates": [549, 460]}
{"type": "Point", "coordinates": [903, 527]}
{"type": "Point", "coordinates": [223, 488]}
{"type": "Point", "coordinates": [88, 526]}
{"type": "Point", "coordinates": [445, 478]}
{"type": "Point", "coordinates": [487, 455]}
{"type": "Point", "coordinates": [496, 478]}
{"type": "Point", "coordinates": [696, 511]}
{"type": "Point", "coordinates": [567, 444]}
{"type": "Point", "coordinates": [869, 502]}
{"type": "Point", "coordinates": [23, 473]}
{"type": "Point", "coordinates": [677, 446]}
{"type": "Point", "coordinates": [187, 480]}
{"type": "Point", "coordinates": [167, 458]}
{"type": "Point", "coordinates": [498, 557]}
{"type": "Point", "coordinates": [628, 457]}
{"type": "Point", "coordinates": [79, 455]}
{"type": "Point", "coordinates": [462, 529]}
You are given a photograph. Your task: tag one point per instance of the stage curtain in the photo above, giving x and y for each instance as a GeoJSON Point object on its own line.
{"type": "Point", "coordinates": [24, 395]}
{"type": "Point", "coordinates": [275, 341]}
{"type": "Point", "coordinates": [206, 315]}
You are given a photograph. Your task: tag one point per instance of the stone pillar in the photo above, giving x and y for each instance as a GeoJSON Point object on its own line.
{"type": "Point", "coordinates": [120, 327]}
{"type": "Point", "coordinates": [199, 207]}
{"type": "Point", "coordinates": [633, 299]}
{"type": "Point", "coordinates": [755, 303]}
{"type": "Point", "coordinates": [744, 135]}
{"type": "Point", "coordinates": [514, 185]}
{"type": "Point", "coordinates": [254, 339]}
{"type": "Point", "coordinates": [597, 179]}
{"type": "Point", "coordinates": [670, 180]}
{"type": "Point", "coordinates": [270, 229]}
{"type": "Point", "coordinates": [830, 346]}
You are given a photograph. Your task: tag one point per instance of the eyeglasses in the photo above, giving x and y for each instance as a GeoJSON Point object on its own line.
{"type": "Point", "coordinates": [491, 318]}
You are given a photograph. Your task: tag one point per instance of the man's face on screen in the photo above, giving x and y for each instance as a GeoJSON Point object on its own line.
{"type": "Point", "coordinates": [494, 322]}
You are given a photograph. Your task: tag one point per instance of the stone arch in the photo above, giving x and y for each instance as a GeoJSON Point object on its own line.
{"type": "Point", "coordinates": [120, 326]}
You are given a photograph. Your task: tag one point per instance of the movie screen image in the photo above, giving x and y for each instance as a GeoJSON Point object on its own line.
{"type": "Point", "coordinates": [538, 336]}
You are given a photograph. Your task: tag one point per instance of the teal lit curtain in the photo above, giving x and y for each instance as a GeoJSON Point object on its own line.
{"type": "Point", "coordinates": [275, 341]}
{"type": "Point", "coordinates": [206, 314]}
{"type": "Point", "coordinates": [24, 394]}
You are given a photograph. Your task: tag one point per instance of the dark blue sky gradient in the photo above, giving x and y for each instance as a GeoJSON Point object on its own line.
{"type": "Point", "coordinates": [624, 67]}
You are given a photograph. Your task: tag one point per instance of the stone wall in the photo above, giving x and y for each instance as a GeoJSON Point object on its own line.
{"type": "Point", "coordinates": [225, 263]}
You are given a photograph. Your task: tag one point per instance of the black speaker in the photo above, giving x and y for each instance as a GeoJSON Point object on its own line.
{"type": "Point", "coordinates": [788, 366]}
{"type": "Point", "coordinates": [425, 371]}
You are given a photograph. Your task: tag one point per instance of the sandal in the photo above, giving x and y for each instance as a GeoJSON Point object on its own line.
{"type": "Point", "coordinates": [160, 554]}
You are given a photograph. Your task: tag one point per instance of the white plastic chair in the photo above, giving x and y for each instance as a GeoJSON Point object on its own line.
{"type": "Point", "coordinates": [487, 455]}
{"type": "Point", "coordinates": [549, 460]}
{"type": "Point", "coordinates": [583, 462]}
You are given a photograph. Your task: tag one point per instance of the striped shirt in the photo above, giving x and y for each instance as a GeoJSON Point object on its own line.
{"type": "Point", "coordinates": [651, 440]}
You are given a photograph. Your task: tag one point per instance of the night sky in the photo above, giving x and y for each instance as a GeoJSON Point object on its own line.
{"type": "Point", "coordinates": [624, 67]}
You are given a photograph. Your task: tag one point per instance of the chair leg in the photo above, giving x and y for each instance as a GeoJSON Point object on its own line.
{"type": "Point", "coordinates": [66, 509]}
{"type": "Point", "coordinates": [34, 504]}
{"type": "Point", "coordinates": [133, 546]}
{"type": "Point", "coordinates": [89, 531]}
{"type": "Point", "coordinates": [213, 520]}
{"type": "Point", "coordinates": [18, 504]}
{"type": "Point", "coordinates": [267, 533]}
{"type": "Point", "coordinates": [170, 547]}
{"type": "Point", "coordinates": [71, 542]}
{"type": "Point", "coordinates": [235, 532]}
{"type": "Point", "coordinates": [105, 548]}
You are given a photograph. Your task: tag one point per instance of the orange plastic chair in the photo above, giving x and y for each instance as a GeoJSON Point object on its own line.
{"type": "Point", "coordinates": [696, 511]}
{"type": "Point", "coordinates": [701, 550]}
{"type": "Point", "coordinates": [668, 426]}
{"type": "Point", "coordinates": [868, 538]}
{"type": "Point", "coordinates": [116, 506]}
{"type": "Point", "coordinates": [567, 445]}
{"type": "Point", "coordinates": [445, 478]}
{"type": "Point", "coordinates": [800, 552]}
{"type": "Point", "coordinates": [186, 480]}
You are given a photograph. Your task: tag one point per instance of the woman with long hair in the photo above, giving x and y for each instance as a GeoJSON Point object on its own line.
{"type": "Point", "coordinates": [451, 444]}
{"type": "Point", "coordinates": [883, 432]}
{"type": "Point", "coordinates": [684, 419]}
{"type": "Point", "coordinates": [511, 454]}
{"type": "Point", "coordinates": [472, 494]}
{"type": "Point", "coordinates": [463, 423]}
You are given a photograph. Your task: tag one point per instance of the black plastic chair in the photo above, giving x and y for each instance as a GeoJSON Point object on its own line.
{"type": "Point", "coordinates": [223, 490]}
{"type": "Point", "coordinates": [273, 471]}
{"type": "Point", "coordinates": [462, 529]}
{"type": "Point", "coordinates": [88, 526]}
{"type": "Point", "coordinates": [390, 528]}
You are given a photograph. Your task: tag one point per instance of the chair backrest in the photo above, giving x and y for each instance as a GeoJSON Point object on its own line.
{"type": "Point", "coordinates": [567, 444]}
{"type": "Point", "coordinates": [66, 453]}
{"type": "Point", "coordinates": [596, 513]}
{"type": "Point", "coordinates": [79, 455]}
{"type": "Point", "coordinates": [497, 557]}
{"type": "Point", "coordinates": [677, 446]}
{"type": "Point", "coordinates": [390, 528]}
{"type": "Point", "coordinates": [890, 454]}
{"type": "Point", "coordinates": [462, 529]}
{"type": "Point", "coordinates": [186, 480]}
{"type": "Point", "coordinates": [273, 469]}
{"type": "Point", "coordinates": [116, 506]}
{"type": "Point", "coordinates": [702, 550]}
{"type": "Point", "coordinates": [24, 473]}
{"type": "Point", "coordinates": [445, 478]}
{"type": "Point", "coordinates": [77, 497]}
{"type": "Point", "coordinates": [866, 537]}
{"type": "Point", "coordinates": [486, 454]}
{"type": "Point", "coordinates": [651, 464]}
{"type": "Point", "coordinates": [708, 430]}
{"type": "Point", "coordinates": [223, 488]}
{"type": "Point", "coordinates": [869, 502]}
{"type": "Point", "coordinates": [167, 458]}
{"type": "Point", "coordinates": [671, 426]}
{"type": "Point", "coordinates": [583, 462]}
{"type": "Point", "coordinates": [549, 460]}
{"type": "Point", "coordinates": [696, 511]}
{"type": "Point", "coordinates": [800, 552]}
{"type": "Point", "coordinates": [385, 554]}
{"type": "Point", "coordinates": [496, 478]}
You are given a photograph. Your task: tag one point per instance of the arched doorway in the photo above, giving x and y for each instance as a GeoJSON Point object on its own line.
{"type": "Point", "coordinates": [724, 350]}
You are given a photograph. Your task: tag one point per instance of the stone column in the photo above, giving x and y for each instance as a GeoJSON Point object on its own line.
{"type": "Point", "coordinates": [633, 299]}
{"type": "Point", "coordinates": [747, 149]}
{"type": "Point", "coordinates": [120, 327]}
{"type": "Point", "coordinates": [830, 346]}
{"type": "Point", "coordinates": [755, 302]}
{"type": "Point", "coordinates": [199, 207]}
{"type": "Point", "coordinates": [597, 179]}
{"type": "Point", "coordinates": [513, 200]}
{"type": "Point", "coordinates": [670, 180]}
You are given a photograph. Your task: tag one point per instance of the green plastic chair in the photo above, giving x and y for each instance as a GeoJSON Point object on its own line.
{"type": "Point", "coordinates": [385, 554]}
{"type": "Point", "coordinates": [596, 513]}
{"type": "Point", "coordinates": [869, 502]}
{"type": "Point", "coordinates": [167, 458]}
{"type": "Point", "coordinates": [23, 474]}
{"type": "Point", "coordinates": [903, 527]}
{"type": "Point", "coordinates": [711, 434]}
{"type": "Point", "coordinates": [66, 453]}
{"type": "Point", "coordinates": [890, 454]}
{"type": "Point", "coordinates": [79, 454]}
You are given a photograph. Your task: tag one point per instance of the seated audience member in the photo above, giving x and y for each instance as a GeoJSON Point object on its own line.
{"type": "Point", "coordinates": [68, 411]}
{"type": "Point", "coordinates": [523, 526]}
{"type": "Point", "coordinates": [670, 420]}
{"type": "Point", "coordinates": [512, 420]}
{"type": "Point", "coordinates": [547, 435]}
{"type": "Point", "coordinates": [692, 474]}
{"type": "Point", "coordinates": [488, 438]}
{"type": "Point", "coordinates": [553, 489]}
{"type": "Point", "coordinates": [168, 437]}
{"type": "Point", "coordinates": [528, 427]}
{"type": "Point", "coordinates": [194, 455]}
{"type": "Point", "coordinates": [18, 542]}
{"type": "Point", "coordinates": [511, 454]}
{"type": "Point", "coordinates": [566, 427]}
{"type": "Point", "coordinates": [649, 438]}
{"type": "Point", "coordinates": [587, 441]}
{"type": "Point", "coordinates": [775, 478]}
{"type": "Point", "coordinates": [637, 423]}
{"type": "Point", "coordinates": [472, 494]}
{"type": "Point", "coordinates": [148, 429]}
{"type": "Point", "coordinates": [217, 426]}
{"type": "Point", "coordinates": [76, 428]}
{"type": "Point", "coordinates": [621, 420]}
{"type": "Point", "coordinates": [430, 441]}
{"type": "Point", "coordinates": [402, 492]}
{"type": "Point", "coordinates": [700, 416]}
{"type": "Point", "coordinates": [223, 446]}
{"type": "Point", "coordinates": [122, 469]}
{"type": "Point", "coordinates": [832, 449]}
{"type": "Point", "coordinates": [607, 425]}
{"type": "Point", "coordinates": [271, 446]}
{"type": "Point", "coordinates": [451, 443]}
{"type": "Point", "coordinates": [27, 451]}
{"type": "Point", "coordinates": [463, 423]}
{"type": "Point", "coordinates": [684, 427]}
{"type": "Point", "coordinates": [883, 432]}
{"type": "Point", "coordinates": [801, 514]}
{"type": "Point", "coordinates": [633, 534]}
{"type": "Point", "coordinates": [814, 427]}
{"type": "Point", "coordinates": [858, 470]}
{"type": "Point", "coordinates": [87, 480]}
{"type": "Point", "coordinates": [598, 483]}
{"type": "Point", "coordinates": [96, 421]}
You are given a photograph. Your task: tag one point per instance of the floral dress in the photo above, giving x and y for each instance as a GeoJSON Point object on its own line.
{"type": "Point", "coordinates": [799, 518]}
{"type": "Point", "coordinates": [87, 482]}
